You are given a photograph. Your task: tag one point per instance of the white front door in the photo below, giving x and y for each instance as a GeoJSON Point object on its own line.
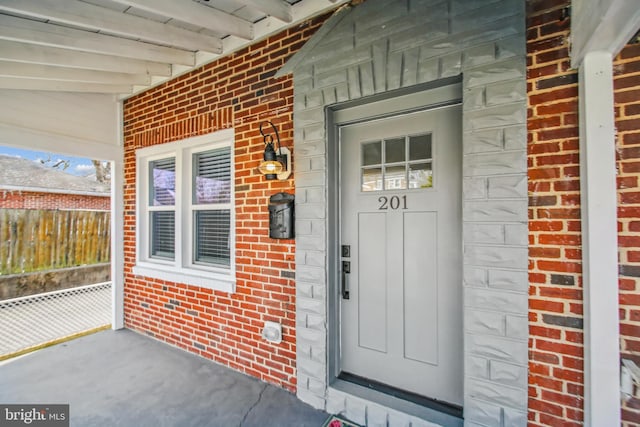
{"type": "Point", "coordinates": [401, 268]}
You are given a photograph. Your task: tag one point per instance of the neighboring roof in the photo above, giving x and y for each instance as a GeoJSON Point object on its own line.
{"type": "Point", "coordinates": [27, 175]}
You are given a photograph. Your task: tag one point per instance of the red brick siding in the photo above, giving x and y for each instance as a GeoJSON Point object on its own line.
{"type": "Point", "coordinates": [627, 112]}
{"type": "Point", "coordinates": [555, 304]}
{"type": "Point", "coordinates": [237, 91]}
{"type": "Point", "coordinates": [556, 352]}
{"type": "Point", "coordinates": [35, 200]}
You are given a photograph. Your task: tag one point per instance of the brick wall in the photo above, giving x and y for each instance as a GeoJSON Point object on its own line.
{"type": "Point", "coordinates": [627, 113]}
{"type": "Point", "coordinates": [556, 339]}
{"type": "Point", "coordinates": [555, 302]}
{"type": "Point", "coordinates": [37, 200]}
{"type": "Point", "coordinates": [237, 91]}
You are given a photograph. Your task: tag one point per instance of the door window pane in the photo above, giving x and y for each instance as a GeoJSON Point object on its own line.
{"type": "Point", "coordinates": [163, 179]}
{"type": "Point", "coordinates": [395, 178]}
{"type": "Point", "coordinates": [420, 147]}
{"type": "Point", "coordinates": [394, 150]}
{"type": "Point", "coordinates": [372, 179]}
{"type": "Point", "coordinates": [420, 175]}
{"type": "Point", "coordinates": [212, 176]}
{"type": "Point", "coordinates": [212, 245]}
{"type": "Point", "coordinates": [406, 164]}
{"type": "Point", "coordinates": [371, 153]}
{"type": "Point", "coordinates": [163, 234]}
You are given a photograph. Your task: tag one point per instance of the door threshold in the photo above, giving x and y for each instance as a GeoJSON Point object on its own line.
{"type": "Point", "coordinates": [431, 413]}
{"type": "Point", "coordinates": [436, 405]}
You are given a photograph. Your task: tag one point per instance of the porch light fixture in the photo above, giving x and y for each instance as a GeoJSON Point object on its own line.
{"type": "Point", "coordinates": [275, 165]}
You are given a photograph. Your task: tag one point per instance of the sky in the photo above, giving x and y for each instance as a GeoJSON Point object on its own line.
{"type": "Point", "coordinates": [77, 165]}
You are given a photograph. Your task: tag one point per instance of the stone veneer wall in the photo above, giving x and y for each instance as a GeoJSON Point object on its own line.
{"type": "Point", "coordinates": [380, 46]}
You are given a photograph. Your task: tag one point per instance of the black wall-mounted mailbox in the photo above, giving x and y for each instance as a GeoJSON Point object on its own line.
{"type": "Point", "coordinates": [281, 216]}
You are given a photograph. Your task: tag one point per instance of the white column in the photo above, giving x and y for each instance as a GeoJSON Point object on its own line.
{"type": "Point", "coordinates": [117, 230]}
{"type": "Point", "coordinates": [599, 241]}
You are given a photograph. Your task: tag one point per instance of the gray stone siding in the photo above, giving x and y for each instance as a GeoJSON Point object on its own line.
{"type": "Point", "coordinates": [380, 46]}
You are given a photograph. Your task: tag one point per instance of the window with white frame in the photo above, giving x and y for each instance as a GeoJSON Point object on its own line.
{"type": "Point", "coordinates": [185, 214]}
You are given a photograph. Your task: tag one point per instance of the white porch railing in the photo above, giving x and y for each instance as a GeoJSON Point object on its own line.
{"type": "Point", "coordinates": [36, 320]}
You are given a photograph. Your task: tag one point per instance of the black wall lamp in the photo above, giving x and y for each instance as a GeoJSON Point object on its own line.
{"type": "Point", "coordinates": [275, 164]}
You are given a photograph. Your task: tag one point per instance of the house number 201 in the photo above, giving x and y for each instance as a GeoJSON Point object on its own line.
{"type": "Point", "coordinates": [393, 203]}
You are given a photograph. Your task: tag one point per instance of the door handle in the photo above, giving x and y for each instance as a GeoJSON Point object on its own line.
{"type": "Point", "coordinates": [346, 269]}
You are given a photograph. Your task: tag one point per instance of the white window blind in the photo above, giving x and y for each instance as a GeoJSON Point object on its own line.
{"type": "Point", "coordinates": [211, 206]}
{"type": "Point", "coordinates": [162, 201]}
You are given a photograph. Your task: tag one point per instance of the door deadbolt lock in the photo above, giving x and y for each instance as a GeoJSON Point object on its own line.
{"type": "Point", "coordinates": [346, 251]}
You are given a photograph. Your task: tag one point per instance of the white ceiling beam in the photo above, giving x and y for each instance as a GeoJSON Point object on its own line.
{"type": "Point", "coordinates": [45, 72]}
{"type": "Point", "coordinates": [277, 8]}
{"type": "Point", "coordinates": [308, 9]}
{"type": "Point", "coordinates": [39, 140]}
{"type": "Point", "coordinates": [196, 14]}
{"type": "Point", "coordinates": [606, 25]}
{"type": "Point", "coordinates": [88, 116]}
{"type": "Point", "coordinates": [34, 54]}
{"type": "Point", "coordinates": [29, 31]}
{"type": "Point", "coordinates": [301, 11]}
{"type": "Point", "coordinates": [58, 86]}
{"type": "Point", "coordinates": [98, 18]}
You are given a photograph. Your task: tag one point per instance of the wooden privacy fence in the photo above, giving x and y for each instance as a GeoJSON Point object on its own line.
{"type": "Point", "coordinates": [33, 240]}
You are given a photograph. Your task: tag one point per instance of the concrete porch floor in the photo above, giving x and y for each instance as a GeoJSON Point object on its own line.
{"type": "Point", "coordinates": [121, 378]}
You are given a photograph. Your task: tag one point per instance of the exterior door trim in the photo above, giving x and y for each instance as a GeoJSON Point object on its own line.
{"type": "Point", "coordinates": [442, 93]}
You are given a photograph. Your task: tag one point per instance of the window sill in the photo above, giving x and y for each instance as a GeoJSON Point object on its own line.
{"type": "Point", "coordinates": [203, 279]}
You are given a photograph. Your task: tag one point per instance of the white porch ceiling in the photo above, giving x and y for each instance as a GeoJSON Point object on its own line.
{"type": "Point", "coordinates": [122, 47]}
